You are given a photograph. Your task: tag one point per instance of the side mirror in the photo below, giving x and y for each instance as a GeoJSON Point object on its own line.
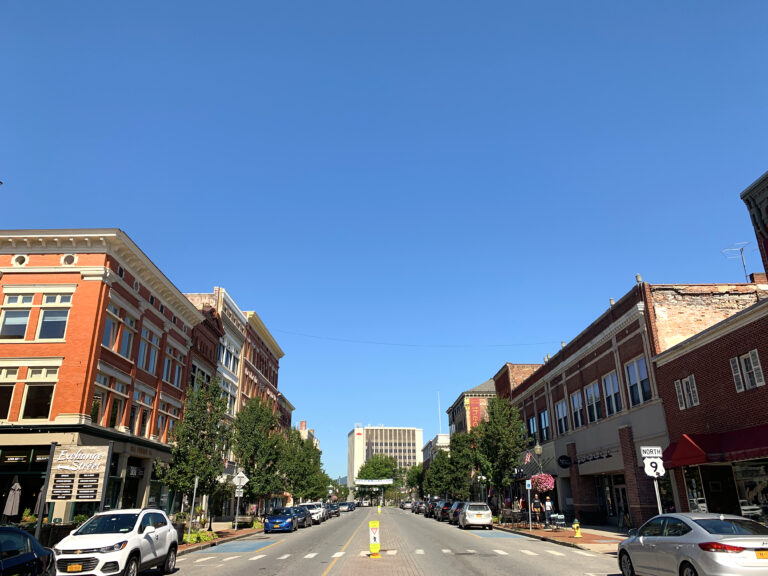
{"type": "Point", "coordinates": [148, 530]}
{"type": "Point", "coordinates": [633, 532]}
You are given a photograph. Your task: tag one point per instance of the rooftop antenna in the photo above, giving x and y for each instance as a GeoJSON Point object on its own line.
{"type": "Point", "coordinates": [439, 419]}
{"type": "Point", "coordinates": [737, 251]}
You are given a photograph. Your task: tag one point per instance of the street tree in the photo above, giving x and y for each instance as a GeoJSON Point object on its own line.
{"type": "Point", "coordinates": [378, 467]}
{"type": "Point", "coordinates": [415, 479]}
{"type": "Point", "coordinates": [437, 478]}
{"type": "Point", "coordinates": [301, 467]}
{"type": "Point", "coordinates": [199, 442]}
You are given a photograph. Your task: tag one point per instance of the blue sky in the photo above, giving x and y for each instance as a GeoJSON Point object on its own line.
{"type": "Point", "coordinates": [409, 193]}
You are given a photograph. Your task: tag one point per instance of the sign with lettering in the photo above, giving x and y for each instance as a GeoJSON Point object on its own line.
{"type": "Point", "coordinates": [78, 473]}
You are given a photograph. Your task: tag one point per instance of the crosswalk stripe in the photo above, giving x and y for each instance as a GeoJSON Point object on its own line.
{"type": "Point", "coordinates": [363, 553]}
{"type": "Point", "coordinates": [391, 552]}
{"type": "Point", "coordinates": [204, 559]}
{"type": "Point", "coordinates": [419, 551]}
{"type": "Point", "coordinates": [446, 551]}
{"type": "Point", "coordinates": [338, 555]}
{"type": "Point", "coordinates": [180, 560]}
{"type": "Point", "coordinates": [230, 558]}
{"type": "Point", "coordinates": [471, 551]}
{"type": "Point", "coordinates": [529, 552]}
{"type": "Point", "coordinates": [284, 556]}
{"type": "Point", "coordinates": [583, 553]}
{"type": "Point", "coordinates": [311, 555]}
{"type": "Point", "coordinates": [501, 552]}
{"type": "Point", "coordinates": [555, 553]}
{"type": "Point", "coordinates": [257, 557]}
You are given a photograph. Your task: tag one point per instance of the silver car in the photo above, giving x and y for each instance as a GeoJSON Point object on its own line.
{"type": "Point", "coordinates": [693, 543]}
{"type": "Point", "coordinates": [475, 514]}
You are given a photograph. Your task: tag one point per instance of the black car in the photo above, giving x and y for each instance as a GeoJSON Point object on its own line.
{"type": "Point", "coordinates": [303, 515]}
{"type": "Point", "coordinates": [21, 554]}
{"type": "Point", "coordinates": [453, 513]}
{"type": "Point", "coordinates": [429, 509]}
{"type": "Point", "coordinates": [333, 509]}
{"type": "Point", "coordinates": [442, 509]}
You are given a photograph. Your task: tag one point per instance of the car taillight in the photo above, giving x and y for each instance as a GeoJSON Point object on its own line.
{"type": "Point", "coordinates": [720, 547]}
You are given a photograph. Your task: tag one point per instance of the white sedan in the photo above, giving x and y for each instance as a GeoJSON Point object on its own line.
{"type": "Point", "coordinates": [475, 514]}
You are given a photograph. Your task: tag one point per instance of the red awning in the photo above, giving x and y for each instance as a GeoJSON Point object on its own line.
{"type": "Point", "coordinates": [729, 446]}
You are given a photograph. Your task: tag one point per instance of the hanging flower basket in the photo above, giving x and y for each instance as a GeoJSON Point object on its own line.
{"type": "Point", "coordinates": [542, 482]}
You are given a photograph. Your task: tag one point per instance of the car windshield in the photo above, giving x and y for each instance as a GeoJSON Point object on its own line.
{"type": "Point", "coordinates": [731, 526]}
{"type": "Point", "coordinates": [109, 524]}
{"type": "Point", "coordinates": [478, 507]}
{"type": "Point", "coordinates": [281, 511]}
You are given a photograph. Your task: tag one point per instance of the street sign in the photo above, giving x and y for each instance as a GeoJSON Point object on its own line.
{"type": "Point", "coordinates": [650, 452]}
{"type": "Point", "coordinates": [240, 479]}
{"type": "Point", "coordinates": [527, 484]}
{"type": "Point", "coordinates": [374, 540]}
{"type": "Point", "coordinates": [238, 492]}
{"type": "Point", "coordinates": [654, 467]}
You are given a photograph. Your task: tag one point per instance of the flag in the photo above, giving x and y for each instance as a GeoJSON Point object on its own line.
{"type": "Point", "coordinates": [527, 457]}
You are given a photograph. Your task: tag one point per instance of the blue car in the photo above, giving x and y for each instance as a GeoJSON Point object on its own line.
{"type": "Point", "coordinates": [281, 520]}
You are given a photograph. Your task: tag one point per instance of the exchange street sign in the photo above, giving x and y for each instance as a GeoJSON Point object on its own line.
{"type": "Point", "coordinates": [78, 473]}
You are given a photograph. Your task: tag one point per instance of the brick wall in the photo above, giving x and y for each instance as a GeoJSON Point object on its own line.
{"type": "Point", "coordinates": [641, 494]}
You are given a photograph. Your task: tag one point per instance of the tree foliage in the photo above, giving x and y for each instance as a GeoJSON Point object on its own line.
{"type": "Point", "coordinates": [501, 440]}
{"type": "Point", "coordinates": [414, 479]}
{"type": "Point", "coordinates": [199, 441]}
{"type": "Point", "coordinates": [380, 466]}
{"type": "Point", "coordinates": [302, 469]}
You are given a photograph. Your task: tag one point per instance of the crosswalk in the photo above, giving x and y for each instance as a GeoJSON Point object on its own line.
{"type": "Point", "coordinates": [420, 552]}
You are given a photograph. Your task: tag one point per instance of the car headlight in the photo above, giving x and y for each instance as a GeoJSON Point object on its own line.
{"type": "Point", "coordinates": [57, 551]}
{"type": "Point", "coordinates": [114, 547]}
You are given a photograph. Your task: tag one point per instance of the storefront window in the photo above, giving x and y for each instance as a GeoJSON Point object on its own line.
{"type": "Point", "coordinates": [752, 486]}
{"type": "Point", "coordinates": [694, 489]}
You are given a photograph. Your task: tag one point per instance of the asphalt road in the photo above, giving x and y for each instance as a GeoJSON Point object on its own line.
{"type": "Point", "coordinates": [410, 545]}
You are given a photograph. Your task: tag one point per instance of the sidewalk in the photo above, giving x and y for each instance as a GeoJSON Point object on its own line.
{"type": "Point", "coordinates": [601, 539]}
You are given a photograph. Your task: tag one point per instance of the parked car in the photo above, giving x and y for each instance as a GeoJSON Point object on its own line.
{"type": "Point", "coordinates": [429, 510]}
{"type": "Point", "coordinates": [316, 510]}
{"type": "Point", "coordinates": [453, 513]}
{"type": "Point", "coordinates": [119, 541]}
{"type": "Point", "coordinates": [281, 520]}
{"type": "Point", "coordinates": [475, 514]}
{"type": "Point", "coordinates": [694, 543]}
{"type": "Point", "coordinates": [344, 507]}
{"type": "Point", "coordinates": [441, 510]}
{"type": "Point", "coordinates": [334, 509]}
{"type": "Point", "coordinates": [418, 508]}
{"type": "Point", "coordinates": [304, 516]}
{"type": "Point", "coordinates": [23, 554]}
{"type": "Point", "coordinates": [406, 505]}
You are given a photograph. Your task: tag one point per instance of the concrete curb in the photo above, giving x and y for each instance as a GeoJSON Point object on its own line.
{"type": "Point", "coordinates": [553, 540]}
{"type": "Point", "coordinates": [203, 545]}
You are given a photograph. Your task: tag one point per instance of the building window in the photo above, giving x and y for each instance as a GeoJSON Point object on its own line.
{"type": "Point", "coordinates": [687, 395]}
{"type": "Point", "coordinates": [53, 324]}
{"type": "Point", "coordinates": [594, 407]}
{"type": "Point", "coordinates": [544, 425]}
{"type": "Point", "coordinates": [747, 372]}
{"type": "Point", "coordinates": [532, 427]}
{"type": "Point", "coordinates": [612, 394]}
{"type": "Point", "coordinates": [7, 384]}
{"type": "Point", "coordinates": [116, 414]}
{"type": "Point", "coordinates": [577, 410]}
{"type": "Point", "coordinates": [637, 382]}
{"type": "Point", "coordinates": [561, 409]}
{"type": "Point", "coordinates": [98, 406]}
{"type": "Point", "coordinates": [39, 393]}
{"type": "Point", "coordinates": [172, 366]}
{"type": "Point", "coordinates": [149, 349]}
{"type": "Point", "coordinates": [13, 326]}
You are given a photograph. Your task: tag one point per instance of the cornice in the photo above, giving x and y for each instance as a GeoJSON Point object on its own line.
{"type": "Point", "coordinates": [112, 241]}
{"type": "Point", "coordinates": [266, 336]}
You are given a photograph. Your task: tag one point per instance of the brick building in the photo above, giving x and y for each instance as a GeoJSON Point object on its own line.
{"type": "Point", "coordinates": [597, 400]}
{"type": "Point", "coordinates": [470, 408]}
{"type": "Point", "coordinates": [94, 348]}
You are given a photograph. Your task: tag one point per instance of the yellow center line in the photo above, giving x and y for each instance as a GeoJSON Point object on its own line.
{"type": "Point", "coordinates": [343, 549]}
{"type": "Point", "coordinates": [269, 546]}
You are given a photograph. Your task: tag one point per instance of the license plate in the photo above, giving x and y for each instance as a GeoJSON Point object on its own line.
{"type": "Point", "coordinates": [762, 554]}
{"type": "Point", "coordinates": [74, 567]}
{"type": "Point", "coordinates": [478, 515]}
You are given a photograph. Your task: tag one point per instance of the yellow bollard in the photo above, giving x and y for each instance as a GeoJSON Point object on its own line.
{"type": "Point", "coordinates": [374, 536]}
{"type": "Point", "coordinates": [576, 528]}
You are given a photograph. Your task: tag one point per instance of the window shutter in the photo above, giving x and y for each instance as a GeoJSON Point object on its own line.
{"type": "Point", "coordinates": [680, 398]}
{"type": "Point", "coordinates": [755, 359]}
{"type": "Point", "coordinates": [694, 392]}
{"type": "Point", "coordinates": [736, 371]}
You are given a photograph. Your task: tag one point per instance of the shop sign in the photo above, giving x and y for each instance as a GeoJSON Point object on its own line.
{"type": "Point", "coordinates": [564, 461]}
{"type": "Point", "coordinates": [135, 471]}
{"type": "Point", "coordinates": [15, 458]}
{"type": "Point", "coordinates": [77, 473]}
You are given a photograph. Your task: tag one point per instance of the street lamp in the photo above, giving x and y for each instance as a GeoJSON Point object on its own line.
{"type": "Point", "coordinates": [482, 480]}
{"type": "Point", "coordinates": [538, 450]}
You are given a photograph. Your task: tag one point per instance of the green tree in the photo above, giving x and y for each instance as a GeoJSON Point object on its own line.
{"type": "Point", "coordinates": [437, 478]}
{"type": "Point", "coordinates": [380, 466]}
{"type": "Point", "coordinates": [301, 466]}
{"type": "Point", "coordinates": [199, 442]}
{"type": "Point", "coordinates": [415, 479]}
{"type": "Point", "coordinates": [501, 440]}
{"type": "Point", "coordinates": [466, 461]}
{"type": "Point", "coordinates": [258, 445]}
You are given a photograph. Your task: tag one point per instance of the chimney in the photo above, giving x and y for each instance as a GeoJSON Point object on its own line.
{"type": "Point", "coordinates": [758, 278]}
{"type": "Point", "coordinates": [303, 425]}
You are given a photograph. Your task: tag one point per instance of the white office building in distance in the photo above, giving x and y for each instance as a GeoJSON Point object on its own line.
{"type": "Point", "coordinates": [363, 442]}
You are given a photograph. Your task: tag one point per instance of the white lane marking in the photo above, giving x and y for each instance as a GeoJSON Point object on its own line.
{"type": "Point", "coordinates": [419, 551]}
{"type": "Point", "coordinates": [311, 555]}
{"type": "Point", "coordinates": [446, 551]}
{"type": "Point", "coordinates": [284, 556]}
{"type": "Point", "coordinates": [204, 559]}
{"type": "Point", "coordinates": [363, 553]}
{"type": "Point", "coordinates": [501, 552]}
{"type": "Point", "coordinates": [471, 551]}
{"type": "Point", "coordinates": [257, 557]}
{"type": "Point", "coordinates": [338, 555]}
{"type": "Point", "coordinates": [180, 560]}
{"type": "Point", "coordinates": [529, 552]}
{"type": "Point", "coordinates": [554, 553]}
{"type": "Point", "coordinates": [391, 552]}
{"type": "Point", "coordinates": [230, 558]}
{"type": "Point", "coordinates": [583, 553]}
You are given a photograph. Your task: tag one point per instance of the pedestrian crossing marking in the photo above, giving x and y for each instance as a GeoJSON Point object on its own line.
{"type": "Point", "coordinates": [501, 553]}
{"type": "Point", "coordinates": [257, 557]}
{"type": "Point", "coordinates": [363, 553]}
{"type": "Point", "coordinates": [180, 560]}
{"type": "Point", "coordinates": [311, 555]}
{"type": "Point", "coordinates": [204, 559]}
{"type": "Point", "coordinates": [338, 555]}
{"type": "Point", "coordinates": [419, 551]}
{"type": "Point", "coordinates": [471, 551]}
{"type": "Point", "coordinates": [583, 553]}
{"type": "Point", "coordinates": [529, 552]}
{"type": "Point", "coordinates": [446, 551]}
{"type": "Point", "coordinates": [284, 556]}
{"type": "Point", "coordinates": [391, 552]}
{"type": "Point", "coordinates": [555, 553]}
{"type": "Point", "coordinates": [230, 558]}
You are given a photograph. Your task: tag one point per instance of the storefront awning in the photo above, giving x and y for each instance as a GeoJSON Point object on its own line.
{"type": "Point", "coordinates": [693, 449]}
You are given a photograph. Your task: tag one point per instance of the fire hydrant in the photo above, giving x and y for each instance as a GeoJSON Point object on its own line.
{"type": "Point", "coordinates": [576, 528]}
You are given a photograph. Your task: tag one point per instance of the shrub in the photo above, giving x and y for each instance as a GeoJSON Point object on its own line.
{"type": "Point", "coordinates": [79, 519]}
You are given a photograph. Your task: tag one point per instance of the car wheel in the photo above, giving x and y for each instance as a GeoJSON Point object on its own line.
{"type": "Point", "coordinates": [688, 570]}
{"type": "Point", "coordinates": [131, 567]}
{"type": "Point", "coordinates": [626, 565]}
{"type": "Point", "coordinates": [170, 561]}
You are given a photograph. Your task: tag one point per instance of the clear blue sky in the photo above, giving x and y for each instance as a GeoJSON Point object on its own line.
{"type": "Point", "coordinates": [408, 193]}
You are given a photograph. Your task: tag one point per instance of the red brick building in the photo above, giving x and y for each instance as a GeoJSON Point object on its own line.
{"type": "Point", "coordinates": [94, 348]}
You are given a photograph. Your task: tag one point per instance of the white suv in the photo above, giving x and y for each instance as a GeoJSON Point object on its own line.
{"type": "Point", "coordinates": [316, 510]}
{"type": "Point", "coordinates": [119, 542]}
